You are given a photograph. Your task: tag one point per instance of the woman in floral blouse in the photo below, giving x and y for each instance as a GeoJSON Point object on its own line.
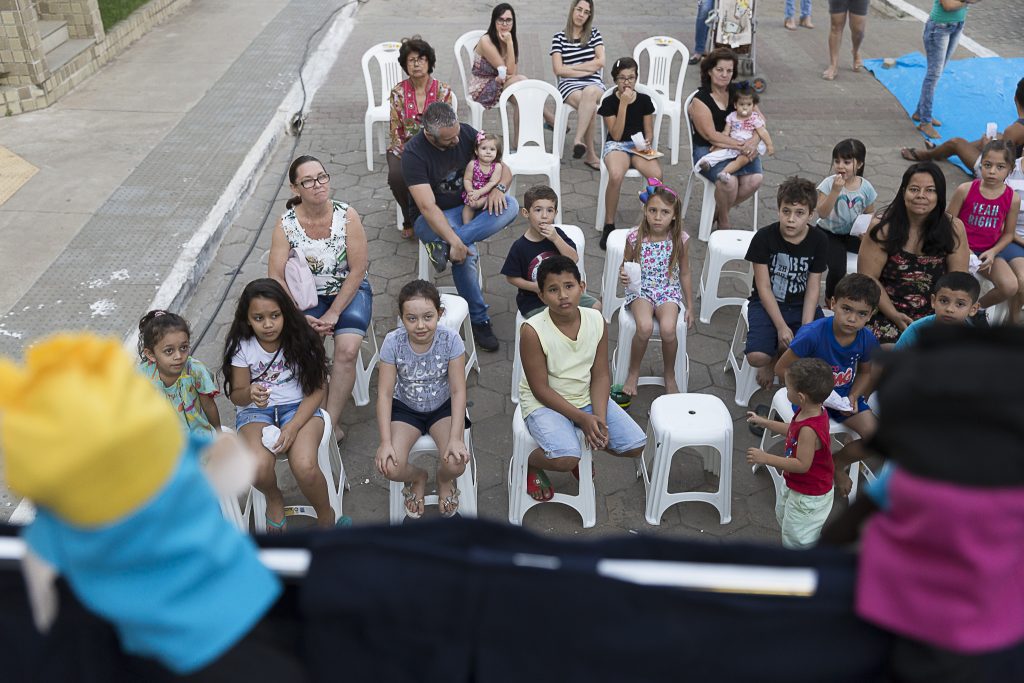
{"type": "Point", "coordinates": [408, 100]}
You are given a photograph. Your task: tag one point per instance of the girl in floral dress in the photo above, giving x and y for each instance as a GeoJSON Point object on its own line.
{"type": "Point", "coordinates": [658, 244]}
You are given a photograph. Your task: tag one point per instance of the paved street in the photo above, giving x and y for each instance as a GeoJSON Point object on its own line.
{"type": "Point", "coordinates": [805, 115]}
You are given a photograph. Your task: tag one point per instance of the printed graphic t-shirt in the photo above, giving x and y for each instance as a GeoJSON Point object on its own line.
{"type": "Point", "coordinates": [523, 260]}
{"type": "Point", "coordinates": [284, 387]}
{"type": "Point", "coordinates": [789, 265]}
{"type": "Point", "coordinates": [442, 169]}
{"type": "Point", "coordinates": [818, 340]}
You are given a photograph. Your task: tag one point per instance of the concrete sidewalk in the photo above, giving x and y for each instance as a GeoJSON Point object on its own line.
{"type": "Point", "coordinates": [133, 160]}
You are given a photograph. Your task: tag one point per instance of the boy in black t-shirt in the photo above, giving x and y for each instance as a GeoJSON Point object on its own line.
{"type": "Point", "coordinates": [788, 258]}
{"type": "Point", "coordinates": [542, 240]}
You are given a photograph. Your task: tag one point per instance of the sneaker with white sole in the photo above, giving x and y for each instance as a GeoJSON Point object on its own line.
{"type": "Point", "coordinates": [438, 253]}
{"type": "Point", "coordinates": [484, 335]}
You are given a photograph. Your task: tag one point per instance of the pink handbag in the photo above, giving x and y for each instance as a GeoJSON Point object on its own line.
{"type": "Point", "coordinates": [300, 280]}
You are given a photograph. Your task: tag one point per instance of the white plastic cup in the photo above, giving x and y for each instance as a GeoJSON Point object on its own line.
{"type": "Point", "coordinates": [502, 71]}
{"type": "Point", "coordinates": [991, 130]}
{"type": "Point", "coordinates": [639, 141]}
{"type": "Point", "coordinates": [633, 274]}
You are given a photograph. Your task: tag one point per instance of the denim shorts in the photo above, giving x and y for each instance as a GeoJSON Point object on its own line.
{"type": "Point", "coordinates": [862, 407]}
{"type": "Point", "coordinates": [761, 334]}
{"type": "Point", "coordinates": [712, 173]}
{"type": "Point", "coordinates": [355, 319]}
{"type": "Point", "coordinates": [555, 434]}
{"type": "Point", "coordinates": [278, 416]}
{"type": "Point", "coordinates": [616, 146]}
{"type": "Point", "coordinates": [1011, 251]}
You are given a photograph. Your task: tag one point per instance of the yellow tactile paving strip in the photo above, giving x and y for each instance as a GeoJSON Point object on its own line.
{"type": "Point", "coordinates": [14, 172]}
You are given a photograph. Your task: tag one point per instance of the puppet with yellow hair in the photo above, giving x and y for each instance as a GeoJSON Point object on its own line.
{"type": "Point", "coordinates": [126, 515]}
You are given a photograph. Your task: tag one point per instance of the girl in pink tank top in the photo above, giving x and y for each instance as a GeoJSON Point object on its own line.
{"type": "Point", "coordinates": [988, 209]}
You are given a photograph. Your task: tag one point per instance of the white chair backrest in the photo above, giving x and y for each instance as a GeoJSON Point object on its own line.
{"type": "Point", "coordinates": [531, 96]}
{"type": "Point", "coordinates": [687, 125]}
{"type": "Point", "coordinates": [659, 110]}
{"type": "Point", "coordinates": [575, 233]}
{"type": "Point", "coordinates": [466, 43]}
{"type": "Point", "coordinates": [661, 51]}
{"type": "Point", "coordinates": [389, 70]}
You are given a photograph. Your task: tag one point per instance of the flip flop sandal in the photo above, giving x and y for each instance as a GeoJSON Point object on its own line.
{"type": "Point", "coordinates": [411, 497]}
{"type": "Point", "coordinates": [929, 144]}
{"type": "Point", "coordinates": [695, 59]}
{"type": "Point", "coordinates": [277, 527]}
{"type": "Point", "coordinates": [909, 154]}
{"type": "Point", "coordinates": [596, 167]}
{"type": "Point", "coordinates": [578, 150]}
{"type": "Point", "coordinates": [537, 481]}
{"type": "Point", "coordinates": [763, 411]}
{"type": "Point", "coordinates": [449, 505]}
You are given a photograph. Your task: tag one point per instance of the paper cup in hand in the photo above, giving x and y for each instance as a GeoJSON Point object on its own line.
{"type": "Point", "coordinates": [639, 141]}
{"type": "Point", "coordinates": [270, 436]}
{"type": "Point", "coordinates": [502, 71]}
{"type": "Point", "coordinates": [991, 130]}
{"type": "Point", "coordinates": [633, 273]}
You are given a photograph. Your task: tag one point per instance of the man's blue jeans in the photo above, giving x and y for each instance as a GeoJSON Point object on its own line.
{"type": "Point", "coordinates": [940, 41]}
{"type": "Point", "coordinates": [790, 8]}
{"type": "Point", "coordinates": [701, 39]}
{"type": "Point", "coordinates": [477, 230]}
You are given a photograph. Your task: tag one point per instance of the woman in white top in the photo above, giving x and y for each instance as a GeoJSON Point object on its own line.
{"type": "Point", "coordinates": [330, 236]}
{"type": "Point", "coordinates": [577, 57]}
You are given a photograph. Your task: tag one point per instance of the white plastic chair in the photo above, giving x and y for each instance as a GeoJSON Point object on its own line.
{"type": "Point", "coordinates": [689, 420]}
{"type": "Point", "coordinates": [465, 46]}
{"type": "Point", "coordinates": [659, 109]}
{"type": "Point", "coordinates": [724, 246]}
{"type": "Point", "coordinates": [708, 203]}
{"type": "Point", "coordinates": [611, 301]}
{"type": "Point", "coordinates": [745, 374]}
{"type": "Point", "coordinates": [390, 73]}
{"type": "Point", "coordinates": [466, 482]}
{"type": "Point", "coordinates": [661, 51]}
{"type": "Point", "coordinates": [620, 357]}
{"type": "Point", "coordinates": [361, 387]}
{"type": "Point", "coordinates": [530, 155]}
{"type": "Point", "coordinates": [329, 460]}
{"type": "Point", "coordinates": [574, 233]}
{"type": "Point", "coordinates": [519, 501]}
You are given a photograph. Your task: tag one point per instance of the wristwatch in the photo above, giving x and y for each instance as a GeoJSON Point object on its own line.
{"type": "Point", "coordinates": [501, 186]}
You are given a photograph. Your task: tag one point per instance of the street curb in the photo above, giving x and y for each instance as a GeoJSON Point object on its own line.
{"type": "Point", "coordinates": [198, 253]}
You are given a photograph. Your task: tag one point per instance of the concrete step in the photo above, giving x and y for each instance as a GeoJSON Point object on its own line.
{"type": "Point", "coordinates": [67, 51]}
{"type": "Point", "coordinates": [52, 33]}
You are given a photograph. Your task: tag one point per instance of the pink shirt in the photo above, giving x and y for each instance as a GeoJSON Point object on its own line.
{"type": "Point", "coordinates": [984, 218]}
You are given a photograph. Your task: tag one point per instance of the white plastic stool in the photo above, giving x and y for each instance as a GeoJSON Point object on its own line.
{"type": "Point", "coordinates": [746, 375]}
{"type": "Point", "coordinates": [723, 246]}
{"type": "Point", "coordinates": [466, 482]}
{"type": "Point", "coordinates": [782, 410]}
{"type": "Point", "coordinates": [689, 420]}
{"type": "Point", "coordinates": [519, 501]}
{"type": "Point", "coordinates": [610, 299]}
{"type": "Point", "coordinates": [620, 358]}
{"type": "Point", "coordinates": [328, 458]}
{"type": "Point", "coordinates": [517, 361]}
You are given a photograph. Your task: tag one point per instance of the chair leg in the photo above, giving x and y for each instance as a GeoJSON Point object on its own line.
{"type": "Point", "coordinates": [369, 145]}
{"type": "Point", "coordinates": [707, 212]}
{"type": "Point", "coordinates": [602, 188]}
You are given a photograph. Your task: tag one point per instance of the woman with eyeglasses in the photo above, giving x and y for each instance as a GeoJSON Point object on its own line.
{"type": "Point", "coordinates": [577, 57]}
{"type": "Point", "coordinates": [330, 236]}
{"type": "Point", "coordinates": [408, 100]}
{"type": "Point", "coordinates": [708, 112]}
{"type": "Point", "coordinates": [626, 112]}
{"type": "Point", "coordinates": [495, 66]}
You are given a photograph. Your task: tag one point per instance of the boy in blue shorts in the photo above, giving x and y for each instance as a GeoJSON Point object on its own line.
{"type": "Point", "coordinates": [542, 240]}
{"type": "Point", "coordinates": [788, 258]}
{"type": "Point", "coordinates": [844, 343]}
{"type": "Point", "coordinates": [954, 301]}
{"type": "Point", "coordinates": [565, 381]}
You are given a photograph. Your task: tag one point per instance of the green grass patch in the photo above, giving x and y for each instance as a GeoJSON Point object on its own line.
{"type": "Point", "coordinates": [113, 11]}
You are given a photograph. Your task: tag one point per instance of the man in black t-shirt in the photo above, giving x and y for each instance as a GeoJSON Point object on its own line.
{"type": "Point", "coordinates": [788, 258]}
{"type": "Point", "coordinates": [433, 163]}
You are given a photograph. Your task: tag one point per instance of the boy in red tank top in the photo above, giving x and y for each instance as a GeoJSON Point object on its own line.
{"type": "Point", "coordinates": [807, 466]}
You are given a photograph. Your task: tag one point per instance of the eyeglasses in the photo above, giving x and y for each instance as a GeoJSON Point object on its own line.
{"type": "Point", "coordinates": [504, 20]}
{"type": "Point", "coordinates": [418, 58]}
{"type": "Point", "coordinates": [321, 179]}
{"type": "Point", "coordinates": [626, 79]}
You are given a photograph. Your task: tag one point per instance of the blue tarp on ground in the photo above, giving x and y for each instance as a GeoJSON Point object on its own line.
{"type": "Point", "coordinates": [970, 93]}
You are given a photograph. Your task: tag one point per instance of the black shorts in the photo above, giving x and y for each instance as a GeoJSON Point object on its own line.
{"type": "Point", "coordinates": [855, 7]}
{"type": "Point", "coordinates": [421, 421]}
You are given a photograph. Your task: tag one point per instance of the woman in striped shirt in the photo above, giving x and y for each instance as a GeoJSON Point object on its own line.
{"type": "Point", "coordinates": [577, 56]}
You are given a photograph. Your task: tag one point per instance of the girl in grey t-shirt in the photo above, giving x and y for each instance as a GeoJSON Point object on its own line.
{"type": "Point", "coordinates": [422, 390]}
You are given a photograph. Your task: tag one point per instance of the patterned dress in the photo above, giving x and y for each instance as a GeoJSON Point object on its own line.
{"type": "Point", "coordinates": [328, 257]}
{"type": "Point", "coordinates": [908, 280]}
{"type": "Point", "coordinates": [405, 115]}
{"type": "Point", "coordinates": [657, 285]}
{"type": "Point", "coordinates": [195, 381]}
{"type": "Point", "coordinates": [483, 86]}
{"type": "Point", "coordinates": [480, 179]}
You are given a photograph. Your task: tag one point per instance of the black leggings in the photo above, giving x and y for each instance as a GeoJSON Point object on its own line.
{"type": "Point", "coordinates": [396, 181]}
{"type": "Point", "coordinates": [838, 247]}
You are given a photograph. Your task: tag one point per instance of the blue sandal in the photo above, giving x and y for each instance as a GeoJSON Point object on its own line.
{"type": "Point", "coordinates": [277, 527]}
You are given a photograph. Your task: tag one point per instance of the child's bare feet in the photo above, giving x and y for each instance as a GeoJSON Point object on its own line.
{"type": "Point", "coordinates": [277, 523]}
{"type": "Point", "coordinates": [790, 24]}
{"type": "Point", "coordinates": [765, 376]}
{"type": "Point", "coordinates": [629, 386]}
{"type": "Point", "coordinates": [858, 63]}
{"type": "Point", "coordinates": [413, 494]}
{"type": "Point", "coordinates": [670, 384]}
{"type": "Point", "coordinates": [829, 74]}
{"type": "Point", "coordinates": [806, 22]}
